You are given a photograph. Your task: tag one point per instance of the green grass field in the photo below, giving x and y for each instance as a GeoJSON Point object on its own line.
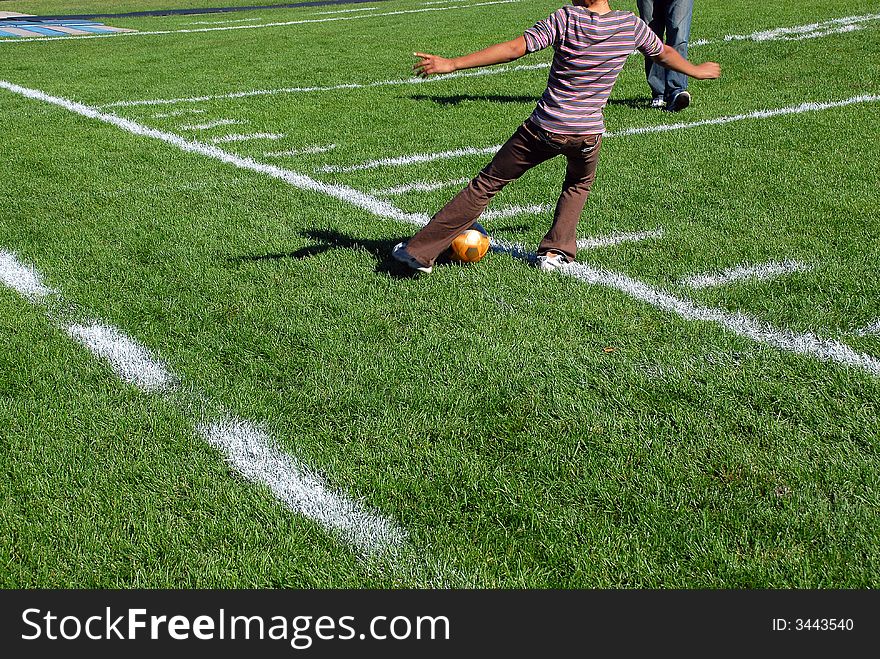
{"type": "Point", "coordinates": [516, 428]}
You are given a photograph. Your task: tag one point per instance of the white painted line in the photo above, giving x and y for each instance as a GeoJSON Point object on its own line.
{"type": "Point", "coordinates": [214, 124]}
{"type": "Point", "coordinates": [237, 20]}
{"type": "Point", "coordinates": [148, 33]}
{"type": "Point", "coordinates": [131, 361]}
{"type": "Point", "coordinates": [178, 113]}
{"type": "Point", "coordinates": [617, 238]}
{"type": "Point", "coordinates": [237, 137]}
{"type": "Point", "coordinates": [809, 344]}
{"type": "Point", "coordinates": [760, 271]}
{"type": "Point", "coordinates": [471, 73]}
{"type": "Point", "coordinates": [418, 186]}
{"type": "Point", "coordinates": [398, 161]}
{"type": "Point", "coordinates": [514, 211]}
{"type": "Point", "coordinates": [354, 197]}
{"type": "Point", "coordinates": [21, 278]}
{"type": "Point", "coordinates": [251, 451]}
{"type": "Point", "coordinates": [806, 344]}
{"type": "Point", "coordinates": [305, 151]}
{"type": "Point", "coordinates": [870, 330]}
{"type": "Point", "coordinates": [345, 11]}
{"type": "Point", "coordinates": [246, 446]}
{"type": "Point", "coordinates": [798, 32]}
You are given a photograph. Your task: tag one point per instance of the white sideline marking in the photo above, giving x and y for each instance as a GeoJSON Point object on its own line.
{"type": "Point", "coordinates": [514, 210]}
{"type": "Point", "coordinates": [761, 271]}
{"type": "Point", "coordinates": [246, 447]}
{"type": "Point", "coordinates": [237, 137]}
{"type": "Point", "coordinates": [21, 278]}
{"type": "Point", "coordinates": [495, 70]}
{"type": "Point", "coordinates": [148, 33]}
{"type": "Point", "coordinates": [870, 330]}
{"type": "Point", "coordinates": [354, 197]}
{"type": "Point", "coordinates": [809, 344]}
{"type": "Point", "coordinates": [251, 451]}
{"type": "Point", "coordinates": [214, 124]}
{"type": "Point", "coordinates": [398, 161]}
{"type": "Point", "coordinates": [178, 113]}
{"type": "Point", "coordinates": [617, 238]}
{"type": "Point", "coordinates": [131, 361]}
{"type": "Point", "coordinates": [345, 11]}
{"type": "Point", "coordinates": [237, 20]}
{"type": "Point", "coordinates": [309, 150]}
{"type": "Point", "coordinates": [418, 186]}
{"type": "Point", "coordinates": [798, 32]}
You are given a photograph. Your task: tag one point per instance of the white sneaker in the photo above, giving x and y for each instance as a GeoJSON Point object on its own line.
{"type": "Point", "coordinates": [400, 254]}
{"type": "Point", "coordinates": [658, 103]}
{"type": "Point", "coordinates": [551, 261]}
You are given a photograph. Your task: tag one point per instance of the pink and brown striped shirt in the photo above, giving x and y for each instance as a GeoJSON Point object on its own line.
{"type": "Point", "coordinates": [590, 50]}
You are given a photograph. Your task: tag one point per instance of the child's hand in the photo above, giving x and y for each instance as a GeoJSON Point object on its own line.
{"type": "Point", "coordinates": [432, 65]}
{"type": "Point", "coordinates": [708, 71]}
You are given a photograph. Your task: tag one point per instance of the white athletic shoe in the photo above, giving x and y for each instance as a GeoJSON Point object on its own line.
{"type": "Point", "coordinates": [400, 254]}
{"type": "Point", "coordinates": [658, 103]}
{"type": "Point", "coordinates": [551, 261]}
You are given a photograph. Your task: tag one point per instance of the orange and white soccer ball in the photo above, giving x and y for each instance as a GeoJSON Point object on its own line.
{"type": "Point", "coordinates": [470, 245]}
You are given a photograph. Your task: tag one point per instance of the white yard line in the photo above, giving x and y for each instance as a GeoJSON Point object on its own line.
{"type": "Point", "coordinates": [418, 186]}
{"type": "Point", "coordinates": [414, 158]}
{"type": "Point", "coordinates": [149, 33]}
{"type": "Point", "coordinates": [870, 330]}
{"type": "Point", "coordinates": [805, 31]}
{"type": "Point", "coordinates": [305, 151]}
{"type": "Point", "coordinates": [618, 238]}
{"type": "Point", "coordinates": [239, 137]}
{"type": "Point", "coordinates": [246, 446]}
{"type": "Point", "coordinates": [740, 324]}
{"type": "Point", "coordinates": [328, 88]}
{"type": "Point", "coordinates": [758, 272]}
{"type": "Point", "coordinates": [214, 124]}
{"type": "Point", "coordinates": [798, 32]}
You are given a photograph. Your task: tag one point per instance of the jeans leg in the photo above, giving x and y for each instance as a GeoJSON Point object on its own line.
{"type": "Point", "coordinates": [652, 12]}
{"type": "Point", "coordinates": [519, 154]}
{"type": "Point", "coordinates": [678, 32]}
{"type": "Point", "coordinates": [580, 173]}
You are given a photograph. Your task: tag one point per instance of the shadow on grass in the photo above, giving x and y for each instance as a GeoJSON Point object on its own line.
{"type": "Point", "coordinates": [463, 98]}
{"type": "Point", "coordinates": [325, 240]}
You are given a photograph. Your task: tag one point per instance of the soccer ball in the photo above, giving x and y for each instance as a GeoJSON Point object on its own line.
{"type": "Point", "coordinates": [470, 245]}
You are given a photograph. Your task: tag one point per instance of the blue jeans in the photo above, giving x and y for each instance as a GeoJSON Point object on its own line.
{"type": "Point", "coordinates": [671, 18]}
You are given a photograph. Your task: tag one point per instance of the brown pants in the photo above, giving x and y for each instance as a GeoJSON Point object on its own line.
{"type": "Point", "coordinates": [528, 146]}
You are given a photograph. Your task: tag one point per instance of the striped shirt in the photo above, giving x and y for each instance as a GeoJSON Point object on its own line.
{"type": "Point", "coordinates": [590, 50]}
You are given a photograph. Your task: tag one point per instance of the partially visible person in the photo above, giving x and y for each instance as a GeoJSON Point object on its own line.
{"type": "Point", "coordinates": [669, 19]}
{"type": "Point", "coordinates": [591, 44]}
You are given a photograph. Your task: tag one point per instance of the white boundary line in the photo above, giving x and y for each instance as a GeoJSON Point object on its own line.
{"type": "Point", "coordinates": [305, 151]}
{"type": "Point", "coordinates": [618, 238]}
{"type": "Point", "coordinates": [327, 88]}
{"type": "Point", "coordinates": [216, 123]}
{"type": "Point", "coordinates": [418, 186]}
{"type": "Point", "coordinates": [237, 137]}
{"type": "Point", "coordinates": [799, 32]}
{"type": "Point", "coordinates": [872, 329]}
{"type": "Point", "coordinates": [246, 447]}
{"type": "Point", "coordinates": [149, 33]}
{"type": "Point", "coordinates": [758, 271]}
{"type": "Point", "coordinates": [514, 211]}
{"type": "Point", "coordinates": [738, 323]}
{"type": "Point", "coordinates": [414, 158]}
{"type": "Point", "coordinates": [766, 35]}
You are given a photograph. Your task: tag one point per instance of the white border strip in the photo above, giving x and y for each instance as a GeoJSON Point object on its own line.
{"type": "Point", "coordinates": [237, 137]}
{"type": "Point", "coordinates": [418, 186]}
{"type": "Point", "coordinates": [148, 33]}
{"type": "Point", "coordinates": [740, 324]}
{"type": "Point", "coordinates": [618, 238]}
{"type": "Point", "coordinates": [305, 151]}
{"type": "Point", "coordinates": [799, 32]}
{"type": "Point", "coordinates": [870, 330]}
{"type": "Point", "coordinates": [245, 446]}
{"type": "Point", "coordinates": [759, 271]}
{"type": "Point", "coordinates": [398, 161]}
{"type": "Point", "coordinates": [514, 211]}
{"type": "Point", "coordinates": [495, 70]}
{"type": "Point", "coordinates": [217, 123]}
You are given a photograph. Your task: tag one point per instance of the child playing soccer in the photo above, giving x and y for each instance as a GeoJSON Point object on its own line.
{"type": "Point", "coordinates": [592, 42]}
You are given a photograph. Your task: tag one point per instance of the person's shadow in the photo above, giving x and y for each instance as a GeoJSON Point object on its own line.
{"type": "Point", "coordinates": [326, 239]}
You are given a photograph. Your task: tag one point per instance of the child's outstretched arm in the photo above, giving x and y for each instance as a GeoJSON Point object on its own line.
{"type": "Point", "coordinates": [496, 54]}
{"type": "Point", "coordinates": [670, 58]}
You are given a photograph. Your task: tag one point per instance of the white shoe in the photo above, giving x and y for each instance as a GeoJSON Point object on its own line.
{"type": "Point", "coordinates": [657, 103]}
{"type": "Point", "coordinates": [400, 254]}
{"type": "Point", "coordinates": [551, 261]}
